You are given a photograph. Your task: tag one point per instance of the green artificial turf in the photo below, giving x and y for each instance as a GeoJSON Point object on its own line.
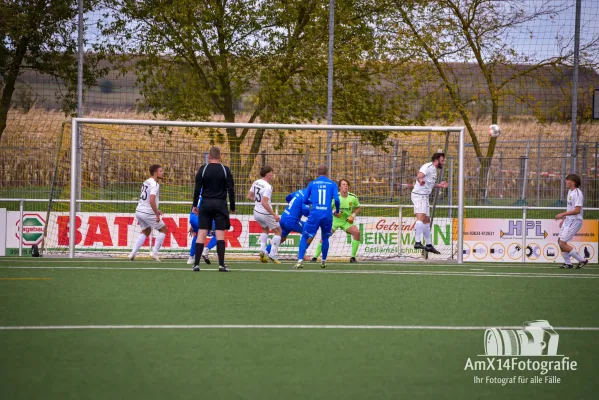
{"type": "Point", "coordinates": [283, 362]}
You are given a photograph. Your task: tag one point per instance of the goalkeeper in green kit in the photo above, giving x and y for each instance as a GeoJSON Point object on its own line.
{"type": "Point", "coordinates": [350, 207]}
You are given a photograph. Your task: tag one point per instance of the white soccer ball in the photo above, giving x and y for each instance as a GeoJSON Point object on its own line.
{"type": "Point", "coordinates": [494, 130]}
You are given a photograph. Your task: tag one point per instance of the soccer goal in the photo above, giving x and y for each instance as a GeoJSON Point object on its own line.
{"type": "Point", "coordinates": [110, 161]}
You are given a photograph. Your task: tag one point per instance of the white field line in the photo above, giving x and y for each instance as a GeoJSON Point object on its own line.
{"type": "Point", "coordinates": [329, 271]}
{"type": "Point", "coordinates": [276, 326]}
{"type": "Point", "coordinates": [289, 262]}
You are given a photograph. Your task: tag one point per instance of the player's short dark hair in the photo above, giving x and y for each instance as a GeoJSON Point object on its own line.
{"type": "Point", "coordinates": [437, 156]}
{"type": "Point", "coordinates": [343, 180]}
{"type": "Point", "coordinates": [154, 168]}
{"type": "Point", "coordinates": [214, 153]}
{"type": "Point", "coordinates": [574, 178]}
{"type": "Point", "coordinates": [265, 170]}
{"type": "Point", "coordinates": [322, 170]}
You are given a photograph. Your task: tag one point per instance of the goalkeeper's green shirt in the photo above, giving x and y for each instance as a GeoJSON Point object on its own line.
{"type": "Point", "coordinates": [348, 205]}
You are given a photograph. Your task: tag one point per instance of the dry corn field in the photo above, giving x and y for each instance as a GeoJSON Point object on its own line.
{"type": "Point", "coordinates": [120, 155]}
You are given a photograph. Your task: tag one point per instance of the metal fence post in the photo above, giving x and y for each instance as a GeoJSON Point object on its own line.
{"type": "Point", "coordinates": [404, 156]}
{"type": "Point", "coordinates": [400, 236]}
{"type": "Point", "coordinates": [306, 160]}
{"type": "Point", "coordinates": [450, 188]}
{"type": "Point", "coordinates": [500, 175]}
{"type": "Point", "coordinates": [356, 166]}
{"type": "Point", "coordinates": [562, 185]}
{"type": "Point", "coordinates": [524, 234]}
{"type": "Point", "coordinates": [392, 184]}
{"type": "Point", "coordinates": [102, 149]}
{"type": "Point", "coordinates": [21, 213]}
{"type": "Point", "coordinates": [539, 170]}
{"type": "Point", "coordinates": [585, 160]}
{"type": "Point", "coordinates": [319, 150]}
{"type": "Point", "coordinates": [524, 172]}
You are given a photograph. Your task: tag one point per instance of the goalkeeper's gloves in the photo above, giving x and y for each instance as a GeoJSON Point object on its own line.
{"type": "Point", "coordinates": [350, 219]}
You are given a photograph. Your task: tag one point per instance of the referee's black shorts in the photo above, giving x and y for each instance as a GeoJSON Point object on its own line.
{"type": "Point", "coordinates": [214, 210]}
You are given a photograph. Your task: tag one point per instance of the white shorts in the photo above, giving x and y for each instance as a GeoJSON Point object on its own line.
{"type": "Point", "coordinates": [148, 221]}
{"type": "Point", "coordinates": [266, 220]}
{"type": "Point", "coordinates": [420, 202]}
{"type": "Point", "coordinates": [569, 229]}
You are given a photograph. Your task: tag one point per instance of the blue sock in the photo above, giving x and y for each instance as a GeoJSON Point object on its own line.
{"type": "Point", "coordinates": [211, 243]}
{"type": "Point", "coordinates": [325, 248]}
{"type": "Point", "coordinates": [268, 248]}
{"type": "Point", "coordinates": [192, 249]}
{"type": "Point", "coordinates": [303, 246]}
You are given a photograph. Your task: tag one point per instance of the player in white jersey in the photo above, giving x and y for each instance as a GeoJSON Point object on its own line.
{"type": "Point", "coordinates": [261, 193]}
{"type": "Point", "coordinates": [571, 222]}
{"type": "Point", "coordinates": [148, 214]}
{"type": "Point", "coordinates": [426, 181]}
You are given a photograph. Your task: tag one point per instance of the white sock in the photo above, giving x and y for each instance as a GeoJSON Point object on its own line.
{"type": "Point", "coordinates": [566, 258]}
{"type": "Point", "coordinates": [263, 240]}
{"type": "Point", "coordinates": [418, 230]}
{"type": "Point", "coordinates": [140, 242]}
{"type": "Point", "coordinates": [275, 242]}
{"type": "Point", "coordinates": [205, 251]}
{"type": "Point", "coordinates": [577, 256]}
{"type": "Point", "coordinates": [158, 243]}
{"type": "Point", "coordinates": [426, 230]}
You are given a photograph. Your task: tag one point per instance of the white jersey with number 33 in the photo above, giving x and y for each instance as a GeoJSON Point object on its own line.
{"type": "Point", "coordinates": [261, 188]}
{"type": "Point", "coordinates": [149, 187]}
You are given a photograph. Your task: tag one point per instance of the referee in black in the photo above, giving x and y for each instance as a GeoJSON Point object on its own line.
{"type": "Point", "coordinates": [213, 182]}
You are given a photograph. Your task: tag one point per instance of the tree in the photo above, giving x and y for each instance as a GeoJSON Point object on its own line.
{"type": "Point", "coordinates": [40, 35]}
{"type": "Point", "coordinates": [197, 59]}
{"type": "Point", "coordinates": [443, 32]}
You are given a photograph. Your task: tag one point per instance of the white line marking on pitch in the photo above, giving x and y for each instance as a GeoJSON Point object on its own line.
{"type": "Point", "coordinates": [350, 272]}
{"type": "Point", "coordinates": [374, 327]}
{"type": "Point", "coordinates": [235, 262]}
{"type": "Point", "coordinates": [476, 269]}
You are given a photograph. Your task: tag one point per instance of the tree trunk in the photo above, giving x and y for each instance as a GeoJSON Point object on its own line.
{"type": "Point", "coordinates": [9, 85]}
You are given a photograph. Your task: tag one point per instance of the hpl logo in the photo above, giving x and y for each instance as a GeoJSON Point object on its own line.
{"type": "Point", "coordinates": [515, 229]}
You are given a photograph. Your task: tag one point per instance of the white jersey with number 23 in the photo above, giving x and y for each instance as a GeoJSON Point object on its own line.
{"type": "Point", "coordinates": [149, 187]}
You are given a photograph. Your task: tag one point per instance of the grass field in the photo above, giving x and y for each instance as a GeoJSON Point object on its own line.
{"type": "Point", "coordinates": [101, 329]}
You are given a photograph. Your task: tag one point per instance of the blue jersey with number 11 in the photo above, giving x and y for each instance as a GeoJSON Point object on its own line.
{"type": "Point", "coordinates": [320, 193]}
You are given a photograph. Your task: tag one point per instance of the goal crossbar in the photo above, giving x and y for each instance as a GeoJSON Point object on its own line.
{"type": "Point", "coordinates": [77, 123]}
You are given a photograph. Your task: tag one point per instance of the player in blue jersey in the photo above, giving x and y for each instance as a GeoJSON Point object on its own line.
{"type": "Point", "coordinates": [291, 220]}
{"type": "Point", "coordinates": [193, 231]}
{"type": "Point", "coordinates": [320, 193]}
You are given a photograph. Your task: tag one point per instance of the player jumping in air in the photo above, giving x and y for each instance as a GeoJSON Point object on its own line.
{"type": "Point", "coordinates": [350, 207]}
{"type": "Point", "coordinates": [320, 193]}
{"type": "Point", "coordinates": [571, 222]}
{"type": "Point", "coordinates": [148, 214]}
{"type": "Point", "coordinates": [425, 182]}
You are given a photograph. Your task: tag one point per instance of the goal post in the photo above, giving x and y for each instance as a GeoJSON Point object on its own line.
{"type": "Point", "coordinates": [79, 123]}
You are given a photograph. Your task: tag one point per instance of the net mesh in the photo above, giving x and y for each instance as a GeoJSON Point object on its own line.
{"type": "Point", "coordinates": [115, 161]}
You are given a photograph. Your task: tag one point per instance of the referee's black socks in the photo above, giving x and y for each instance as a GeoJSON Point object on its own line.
{"type": "Point", "coordinates": [220, 250]}
{"type": "Point", "coordinates": [199, 251]}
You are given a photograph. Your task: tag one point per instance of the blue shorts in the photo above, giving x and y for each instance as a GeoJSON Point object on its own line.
{"type": "Point", "coordinates": [194, 222]}
{"type": "Point", "coordinates": [290, 225]}
{"type": "Point", "coordinates": [315, 221]}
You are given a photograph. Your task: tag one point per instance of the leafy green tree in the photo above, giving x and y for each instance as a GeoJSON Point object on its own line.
{"type": "Point", "coordinates": [40, 35]}
{"type": "Point", "coordinates": [198, 59]}
{"type": "Point", "coordinates": [443, 32]}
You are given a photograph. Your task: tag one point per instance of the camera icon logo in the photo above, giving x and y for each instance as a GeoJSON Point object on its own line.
{"type": "Point", "coordinates": [537, 338]}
